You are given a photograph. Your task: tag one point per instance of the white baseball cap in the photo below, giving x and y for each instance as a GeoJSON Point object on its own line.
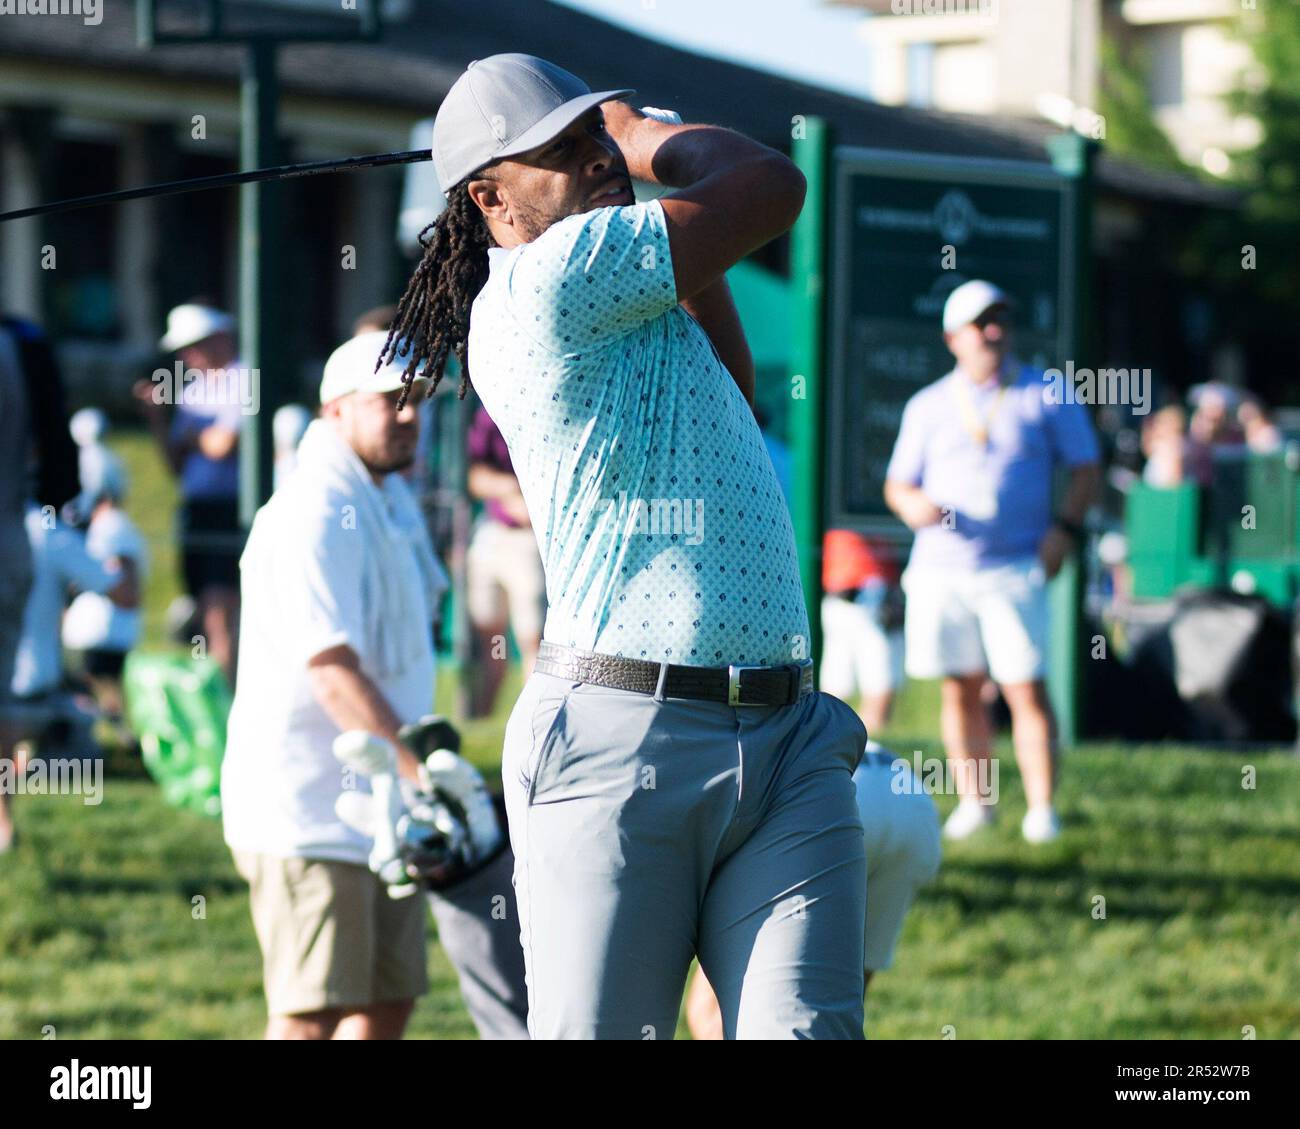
{"type": "Point", "coordinates": [189, 324]}
{"type": "Point", "coordinates": [971, 299]}
{"type": "Point", "coordinates": [351, 367]}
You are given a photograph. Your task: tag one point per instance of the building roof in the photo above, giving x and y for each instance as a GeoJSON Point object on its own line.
{"type": "Point", "coordinates": [419, 58]}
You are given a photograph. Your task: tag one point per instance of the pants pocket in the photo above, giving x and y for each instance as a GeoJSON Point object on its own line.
{"type": "Point", "coordinates": [547, 723]}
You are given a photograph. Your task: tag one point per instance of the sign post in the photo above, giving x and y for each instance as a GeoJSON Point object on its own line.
{"type": "Point", "coordinates": [811, 149]}
{"type": "Point", "coordinates": [1073, 156]}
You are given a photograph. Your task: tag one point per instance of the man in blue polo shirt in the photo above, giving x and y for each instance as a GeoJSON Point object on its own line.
{"type": "Point", "coordinates": [674, 784]}
{"type": "Point", "coordinates": [972, 473]}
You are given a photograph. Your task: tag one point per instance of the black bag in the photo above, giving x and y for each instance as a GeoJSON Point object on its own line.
{"type": "Point", "coordinates": [1227, 659]}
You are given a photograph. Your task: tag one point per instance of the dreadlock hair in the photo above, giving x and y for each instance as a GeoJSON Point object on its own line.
{"type": "Point", "coordinates": [433, 316]}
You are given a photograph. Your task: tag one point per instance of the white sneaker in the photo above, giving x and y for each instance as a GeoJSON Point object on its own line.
{"type": "Point", "coordinates": [1041, 825]}
{"type": "Point", "coordinates": [967, 817]}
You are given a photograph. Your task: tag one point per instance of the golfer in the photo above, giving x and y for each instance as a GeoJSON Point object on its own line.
{"type": "Point", "coordinates": [903, 855]}
{"type": "Point", "coordinates": [675, 786]}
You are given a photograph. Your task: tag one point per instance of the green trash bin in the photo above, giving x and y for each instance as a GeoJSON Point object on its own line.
{"type": "Point", "coordinates": [177, 707]}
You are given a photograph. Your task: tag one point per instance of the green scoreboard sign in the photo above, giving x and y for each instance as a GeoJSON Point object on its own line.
{"type": "Point", "coordinates": [905, 230]}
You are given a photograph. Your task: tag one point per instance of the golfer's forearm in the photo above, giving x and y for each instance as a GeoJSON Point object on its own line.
{"type": "Point", "coordinates": [716, 312]}
{"type": "Point", "coordinates": [676, 156]}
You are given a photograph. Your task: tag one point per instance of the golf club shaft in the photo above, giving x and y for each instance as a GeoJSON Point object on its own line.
{"type": "Point", "coordinates": [225, 180]}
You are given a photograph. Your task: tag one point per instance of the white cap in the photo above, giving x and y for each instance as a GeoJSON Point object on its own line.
{"type": "Point", "coordinates": [971, 299]}
{"type": "Point", "coordinates": [351, 368]}
{"type": "Point", "coordinates": [87, 426]}
{"type": "Point", "coordinates": [188, 325]}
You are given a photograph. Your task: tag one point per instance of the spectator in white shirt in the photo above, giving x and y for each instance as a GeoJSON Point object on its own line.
{"type": "Point", "coordinates": [340, 588]}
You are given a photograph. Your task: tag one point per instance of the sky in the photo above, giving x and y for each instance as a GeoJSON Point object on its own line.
{"type": "Point", "coordinates": [804, 39]}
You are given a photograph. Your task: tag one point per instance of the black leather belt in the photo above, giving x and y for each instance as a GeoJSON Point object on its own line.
{"type": "Point", "coordinates": [733, 685]}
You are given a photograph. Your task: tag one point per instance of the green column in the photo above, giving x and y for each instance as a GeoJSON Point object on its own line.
{"type": "Point", "coordinates": [811, 152]}
{"type": "Point", "coordinates": [1073, 157]}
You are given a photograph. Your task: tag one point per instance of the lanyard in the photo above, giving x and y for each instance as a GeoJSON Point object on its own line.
{"type": "Point", "coordinates": [975, 425]}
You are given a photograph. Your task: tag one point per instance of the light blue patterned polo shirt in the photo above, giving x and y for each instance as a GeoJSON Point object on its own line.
{"type": "Point", "coordinates": [660, 521]}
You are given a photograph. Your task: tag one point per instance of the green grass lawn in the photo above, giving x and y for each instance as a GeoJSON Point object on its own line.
{"type": "Point", "coordinates": [100, 935]}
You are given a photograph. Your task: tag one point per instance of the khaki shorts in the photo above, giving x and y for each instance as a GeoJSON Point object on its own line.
{"type": "Point", "coordinates": [331, 936]}
{"type": "Point", "coordinates": [505, 578]}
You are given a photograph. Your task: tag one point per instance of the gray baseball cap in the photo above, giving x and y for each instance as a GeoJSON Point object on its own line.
{"type": "Point", "coordinates": [502, 106]}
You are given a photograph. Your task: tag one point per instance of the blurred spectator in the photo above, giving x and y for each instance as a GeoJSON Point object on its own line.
{"type": "Point", "coordinates": [60, 562]}
{"type": "Point", "coordinates": [287, 428]}
{"type": "Point", "coordinates": [1212, 423]}
{"type": "Point", "coordinates": [105, 629]}
{"type": "Point", "coordinates": [505, 578]}
{"type": "Point", "coordinates": [33, 437]}
{"type": "Point", "coordinates": [15, 554]}
{"type": "Point", "coordinates": [88, 428]}
{"type": "Point", "coordinates": [51, 716]}
{"type": "Point", "coordinates": [1262, 435]}
{"type": "Point", "coordinates": [200, 443]}
{"type": "Point", "coordinates": [971, 473]}
{"type": "Point", "coordinates": [862, 624]}
{"type": "Point", "coordinates": [337, 618]}
{"type": "Point", "coordinates": [1164, 443]}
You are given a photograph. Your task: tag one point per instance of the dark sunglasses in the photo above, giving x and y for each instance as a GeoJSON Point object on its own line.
{"type": "Point", "coordinates": [994, 315]}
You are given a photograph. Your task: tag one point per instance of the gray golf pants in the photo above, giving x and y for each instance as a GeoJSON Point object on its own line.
{"type": "Point", "coordinates": [646, 832]}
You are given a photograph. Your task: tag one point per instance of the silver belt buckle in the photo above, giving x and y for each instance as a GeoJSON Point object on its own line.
{"type": "Point", "coordinates": [733, 684]}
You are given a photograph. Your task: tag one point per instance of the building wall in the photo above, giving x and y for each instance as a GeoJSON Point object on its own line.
{"type": "Point", "coordinates": [1002, 56]}
{"type": "Point", "coordinates": [1018, 56]}
{"type": "Point", "coordinates": [1195, 60]}
{"type": "Point", "coordinates": [67, 131]}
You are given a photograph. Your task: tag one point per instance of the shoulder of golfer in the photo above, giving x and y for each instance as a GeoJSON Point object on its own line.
{"type": "Point", "coordinates": [732, 194]}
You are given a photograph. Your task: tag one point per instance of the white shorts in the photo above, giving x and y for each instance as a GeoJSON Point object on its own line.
{"type": "Point", "coordinates": [990, 620]}
{"type": "Point", "coordinates": [505, 580]}
{"type": "Point", "coordinates": [903, 848]}
{"type": "Point", "coordinates": [857, 654]}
